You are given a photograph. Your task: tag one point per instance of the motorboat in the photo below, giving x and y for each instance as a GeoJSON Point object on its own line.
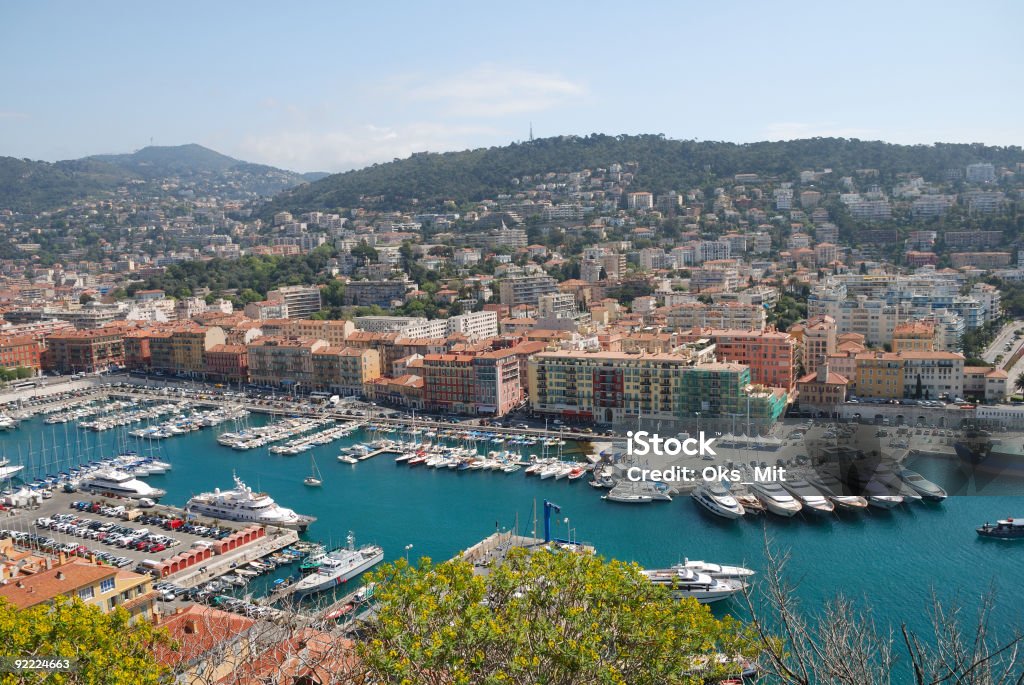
{"type": "Point", "coordinates": [810, 497]}
{"type": "Point", "coordinates": [716, 498]}
{"type": "Point", "coordinates": [628, 497]}
{"type": "Point", "coordinates": [1004, 529]}
{"type": "Point", "coordinates": [687, 583]}
{"type": "Point", "coordinates": [119, 483]}
{"type": "Point", "coordinates": [832, 487]}
{"type": "Point", "coordinates": [775, 498]}
{"type": "Point", "coordinates": [715, 570]}
{"type": "Point", "coordinates": [6, 470]}
{"type": "Point", "coordinates": [924, 487]}
{"type": "Point", "coordinates": [338, 567]}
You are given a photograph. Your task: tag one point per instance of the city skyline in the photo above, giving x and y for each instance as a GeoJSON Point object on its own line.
{"type": "Point", "coordinates": [304, 90]}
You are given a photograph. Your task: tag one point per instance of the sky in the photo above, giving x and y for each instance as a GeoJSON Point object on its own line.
{"type": "Point", "coordinates": [331, 86]}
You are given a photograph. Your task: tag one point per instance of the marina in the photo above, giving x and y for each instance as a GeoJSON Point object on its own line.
{"type": "Point", "coordinates": [656, 535]}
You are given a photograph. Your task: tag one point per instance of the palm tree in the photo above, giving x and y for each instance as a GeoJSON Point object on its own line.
{"type": "Point", "coordinates": [1019, 383]}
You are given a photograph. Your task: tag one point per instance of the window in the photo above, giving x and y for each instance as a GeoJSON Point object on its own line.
{"type": "Point", "coordinates": [107, 585]}
{"type": "Point", "coordinates": [86, 593]}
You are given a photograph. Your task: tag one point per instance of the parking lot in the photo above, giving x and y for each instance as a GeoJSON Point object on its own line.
{"type": "Point", "coordinates": [95, 527]}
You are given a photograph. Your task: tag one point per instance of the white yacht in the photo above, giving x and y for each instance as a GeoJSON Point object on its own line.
{"type": "Point", "coordinates": [832, 487]}
{"type": "Point", "coordinates": [685, 582]}
{"type": "Point", "coordinates": [338, 567]}
{"type": "Point", "coordinates": [924, 487]}
{"type": "Point", "coordinates": [716, 570]}
{"type": "Point", "coordinates": [775, 498]}
{"type": "Point", "coordinates": [7, 423]}
{"type": "Point", "coordinates": [810, 497]}
{"type": "Point", "coordinates": [119, 483]}
{"type": "Point", "coordinates": [6, 470]}
{"type": "Point", "coordinates": [716, 498]}
{"type": "Point", "coordinates": [242, 504]}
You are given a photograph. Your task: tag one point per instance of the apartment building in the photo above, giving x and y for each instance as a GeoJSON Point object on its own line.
{"type": "Point", "coordinates": [344, 370]}
{"type": "Point", "coordinates": [473, 384]}
{"type": "Point", "coordinates": [986, 384]}
{"type": "Point", "coordinates": [879, 374]}
{"type": "Point", "coordinates": [20, 351]}
{"type": "Point", "coordinates": [281, 362]}
{"type": "Point", "coordinates": [914, 336]}
{"type": "Point", "coordinates": [181, 350]}
{"type": "Point", "coordinates": [381, 293]}
{"type": "Point", "coordinates": [303, 300]}
{"type": "Point", "coordinates": [770, 355]}
{"type": "Point", "coordinates": [623, 388]}
{"type": "Point", "coordinates": [227, 363]}
{"type": "Point", "coordinates": [526, 289]}
{"type": "Point", "coordinates": [732, 315]}
{"type": "Point", "coordinates": [86, 351]}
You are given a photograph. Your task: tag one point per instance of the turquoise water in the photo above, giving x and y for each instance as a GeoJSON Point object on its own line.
{"type": "Point", "coordinates": [894, 559]}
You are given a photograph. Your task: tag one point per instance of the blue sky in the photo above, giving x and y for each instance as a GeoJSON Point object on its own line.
{"type": "Point", "coordinates": [333, 86]}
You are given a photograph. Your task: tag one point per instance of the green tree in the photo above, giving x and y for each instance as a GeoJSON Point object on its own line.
{"type": "Point", "coordinates": [364, 251]}
{"type": "Point", "coordinates": [1019, 382]}
{"type": "Point", "coordinates": [106, 647]}
{"type": "Point", "coordinates": [542, 617]}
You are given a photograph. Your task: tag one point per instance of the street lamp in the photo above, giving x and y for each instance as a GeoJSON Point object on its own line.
{"type": "Point", "coordinates": [407, 548]}
{"type": "Point", "coordinates": [568, 532]}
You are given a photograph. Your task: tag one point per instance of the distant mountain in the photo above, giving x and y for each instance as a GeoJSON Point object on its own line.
{"type": "Point", "coordinates": [662, 165]}
{"type": "Point", "coordinates": [32, 186]}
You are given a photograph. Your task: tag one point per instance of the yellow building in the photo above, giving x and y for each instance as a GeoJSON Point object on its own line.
{"type": "Point", "coordinates": [344, 370]}
{"type": "Point", "coordinates": [102, 586]}
{"type": "Point", "coordinates": [914, 336]}
{"type": "Point", "coordinates": [879, 374]}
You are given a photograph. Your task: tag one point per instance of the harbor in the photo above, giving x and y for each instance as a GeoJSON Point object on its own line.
{"type": "Point", "coordinates": [418, 511]}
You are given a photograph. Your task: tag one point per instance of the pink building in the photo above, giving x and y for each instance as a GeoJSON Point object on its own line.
{"type": "Point", "coordinates": [771, 355]}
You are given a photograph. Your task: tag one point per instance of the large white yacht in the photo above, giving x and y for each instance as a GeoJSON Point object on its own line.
{"type": "Point", "coordinates": [242, 504]}
{"type": "Point", "coordinates": [119, 483]}
{"type": "Point", "coordinates": [685, 582]}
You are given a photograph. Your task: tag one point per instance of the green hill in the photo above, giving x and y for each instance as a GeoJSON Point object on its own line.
{"type": "Point", "coordinates": [664, 164]}
{"type": "Point", "coordinates": [32, 186]}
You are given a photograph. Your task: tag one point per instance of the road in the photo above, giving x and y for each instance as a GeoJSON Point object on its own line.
{"type": "Point", "coordinates": [998, 346]}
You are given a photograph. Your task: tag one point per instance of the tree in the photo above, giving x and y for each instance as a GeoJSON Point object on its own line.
{"type": "Point", "coordinates": [1019, 382]}
{"type": "Point", "coordinates": [85, 298]}
{"type": "Point", "coordinates": [542, 616]}
{"type": "Point", "coordinates": [843, 645]}
{"type": "Point", "coordinates": [365, 252]}
{"type": "Point", "coordinates": [106, 647]}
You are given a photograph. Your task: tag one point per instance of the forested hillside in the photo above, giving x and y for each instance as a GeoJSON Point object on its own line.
{"type": "Point", "coordinates": [663, 165]}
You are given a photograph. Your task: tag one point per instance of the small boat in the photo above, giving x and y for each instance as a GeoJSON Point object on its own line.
{"type": "Point", "coordinates": [716, 498]}
{"type": "Point", "coordinates": [921, 485]}
{"type": "Point", "coordinates": [628, 498]}
{"type": "Point", "coordinates": [347, 459]}
{"type": "Point", "coordinates": [315, 479]}
{"type": "Point", "coordinates": [1004, 529]}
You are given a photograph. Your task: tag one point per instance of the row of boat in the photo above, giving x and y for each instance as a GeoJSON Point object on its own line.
{"type": "Point", "coordinates": [819, 492]}
{"type": "Point", "coordinates": [265, 435]}
{"type": "Point", "coordinates": [457, 458]}
{"type": "Point", "coordinates": [466, 435]}
{"type": "Point", "coordinates": [87, 410]}
{"type": "Point", "coordinates": [324, 437]}
{"type": "Point", "coordinates": [188, 423]}
{"type": "Point", "coordinates": [127, 418]}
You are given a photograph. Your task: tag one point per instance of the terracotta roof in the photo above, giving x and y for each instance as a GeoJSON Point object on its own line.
{"type": "Point", "coordinates": [42, 587]}
{"type": "Point", "coordinates": [197, 630]}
